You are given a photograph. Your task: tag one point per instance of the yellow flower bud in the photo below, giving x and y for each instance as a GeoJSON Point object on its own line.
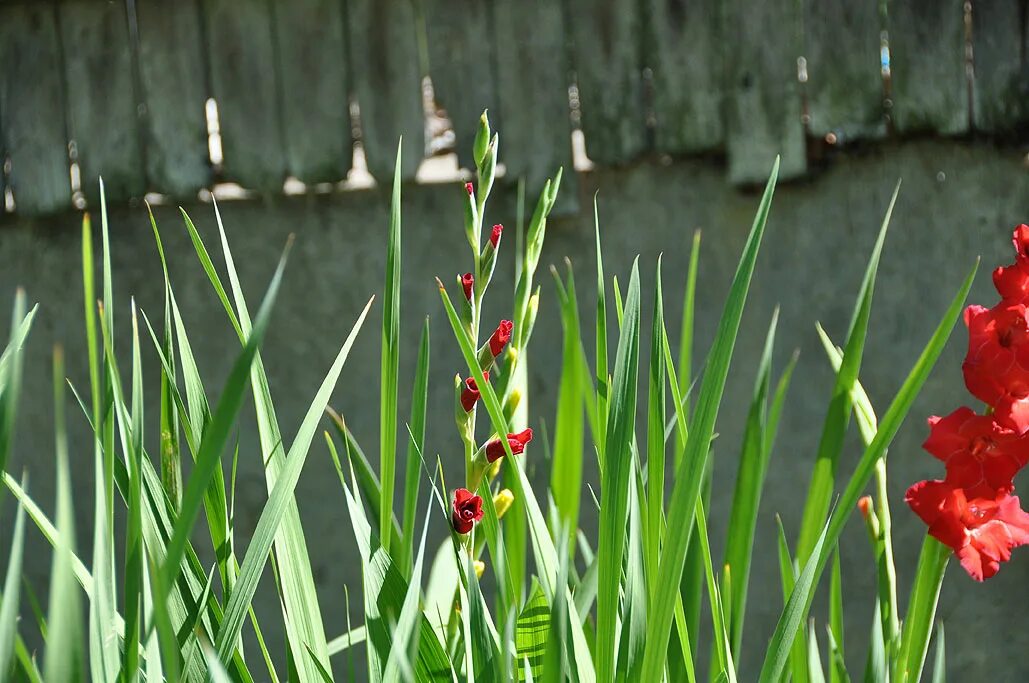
{"type": "Point", "coordinates": [480, 568]}
{"type": "Point", "coordinates": [513, 399]}
{"type": "Point", "coordinates": [502, 501]}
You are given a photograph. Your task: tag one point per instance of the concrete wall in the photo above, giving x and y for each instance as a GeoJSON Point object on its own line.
{"type": "Point", "coordinates": [957, 201]}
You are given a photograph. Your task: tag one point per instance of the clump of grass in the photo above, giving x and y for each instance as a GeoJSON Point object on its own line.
{"type": "Point", "coordinates": [621, 606]}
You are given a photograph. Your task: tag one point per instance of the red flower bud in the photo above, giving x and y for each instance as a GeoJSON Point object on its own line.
{"type": "Point", "coordinates": [494, 237]}
{"type": "Point", "coordinates": [865, 506]}
{"type": "Point", "coordinates": [467, 282]}
{"type": "Point", "coordinates": [1020, 238]}
{"type": "Point", "coordinates": [467, 510]}
{"type": "Point", "coordinates": [469, 188]}
{"type": "Point", "coordinates": [495, 448]}
{"type": "Point", "coordinates": [470, 393]}
{"type": "Point", "coordinates": [501, 336]}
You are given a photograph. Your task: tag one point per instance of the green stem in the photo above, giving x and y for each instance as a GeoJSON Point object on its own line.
{"type": "Point", "coordinates": [887, 570]}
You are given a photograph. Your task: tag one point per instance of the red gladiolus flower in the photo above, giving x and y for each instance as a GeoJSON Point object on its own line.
{"type": "Point", "coordinates": [467, 510]}
{"type": "Point", "coordinates": [981, 531]}
{"type": "Point", "coordinates": [981, 455]}
{"type": "Point", "coordinates": [470, 393]}
{"type": "Point", "coordinates": [501, 336]}
{"type": "Point", "coordinates": [1012, 282]}
{"type": "Point", "coordinates": [469, 188]}
{"type": "Point", "coordinates": [467, 282]}
{"type": "Point", "coordinates": [495, 448]}
{"type": "Point", "coordinates": [494, 237]}
{"type": "Point", "coordinates": [996, 368]}
{"type": "Point", "coordinates": [1020, 238]}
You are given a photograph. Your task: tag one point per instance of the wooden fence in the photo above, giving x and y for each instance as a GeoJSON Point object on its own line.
{"type": "Point", "coordinates": [120, 88]}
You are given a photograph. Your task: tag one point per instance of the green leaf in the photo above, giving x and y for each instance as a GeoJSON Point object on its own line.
{"type": "Point", "coordinates": [723, 654]}
{"type": "Point", "coordinates": [921, 612]}
{"type": "Point", "coordinates": [876, 666]}
{"type": "Point", "coordinates": [405, 635]}
{"type": "Point", "coordinates": [838, 415]}
{"type": "Point", "coordinates": [268, 524]}
{"type": "Point", "coordinates": [415, 446]}
{"type": "Point", "coordinates": [686, 334]}
{"type": "Point", "coordinates": [780, 646]}
{"type": "Point", "coordinates": [63, 657]}
{"type": "Point", "coordinates": [215, 437]}
{"type": "Point", "coordinates": [531, 633]}
{"type": "Point", "coordinates": [9, 599]}
{"type": "Point", "coordinates": [690, 475]}
{"type": "Point", "coordinates": [569, 424]}
{"type": "Point", "coordinates": [615, 480]}
{"type": "Point", "coordinates": [601, 344]}
{"type": "Point", "coordinates": [656, 410]}
{"type": "Point", "coordinates": [390, 365]}
{"type": "Point", "coordinates": [940, 663]}
{"type": "Point", "coordinates": [837, 670]}
{"type": "Point", "coordinates": [750, 480]}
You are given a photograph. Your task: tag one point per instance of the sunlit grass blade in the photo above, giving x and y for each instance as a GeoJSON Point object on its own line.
{"type": "Point", "coordinates": [531, 633]}
{"type": "Point", "coordinates": [656, 410]}
{"type": "Point", "coordinates": [615, 480]}
{"type": "Point", "coordinates": [689, 478]}
{"type": "Point", "coordinates": [405, 635]}
{"type": "Point", "coordinates": [301, 611]}
{"type": "Point", "coordinates": [271, 516]}
{"type": "Point", "coordinates": [837, 670]}
{"type": "Point", "coordinates": [601, 343]}
{"type": "Point", "coordinates": [686, 334]}
{"type": "Point", "coordinates": [390, 365]}
{"type": "Point", "coordinates": [816, 672]}
{"type": "Point", "coordinates": [217, 434]}
{"type": "Point", "coordinates": [11, 367]}
{"type": "Point", "coordinates": [569, 422]}
{"type": "Point", "coordinates": [415, 446]}
{"type": "Point", "coordinates": [837, 416]}
{"type": "Point", "coordinates": [921, 611]}
{"type": "Point", "coordinates": [780, 645]}
{"type": "Point", "coordinates": [888, 427]}
{"type": "Point", "coordinates": [720, 636]}
{"type": "Point", "coordinates": [634, 606]}
{"type": "Point", "coordinates": [63, 660]}
{"type": "Point", "coordinates": [9, 598]}
{"type": "Point", "coordinates": [876, 666]}
{"type": "Point", "coordinates": [750, 479]}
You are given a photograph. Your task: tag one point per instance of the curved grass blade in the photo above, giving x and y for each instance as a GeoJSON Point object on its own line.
{"type": "Point", "coordinates": [9, 599]}
{"type": "Point", "coordinates": [415, 446]}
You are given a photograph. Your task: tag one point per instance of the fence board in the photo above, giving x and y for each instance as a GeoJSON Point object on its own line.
{"type": "Point", "coordinates": [764, 103]}
{"type": "Point", "coordinates": [174, 83]}
{"type": "Point", "coordinates": [461, 66]}
{"type": "Point", "coordinates": [102, 105]}
{"type": "Point", "coordinates": [532, 84]}
{"type": "Point", "coordinates": [387, 83]}
{"type": "Point", "coordinates": [607, 35]}
{"type": "Point", "coordinates": [1001, 87]}
{"type": "Point", "coordinates": [32, 108]}
{"type": "Point", "coordinates": [927, 66]}
{"type": "Point", "coordinates": [845, 85]}
{"type": "Point", "coordinates": [245, 84]}
{"type": "Point", "coordinates": [315, 105]}
{"type": "Point", "coordinates": [683, 47]}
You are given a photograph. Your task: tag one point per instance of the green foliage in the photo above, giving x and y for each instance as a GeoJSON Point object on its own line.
{"type": "Point", "coordinates": [624, 605]}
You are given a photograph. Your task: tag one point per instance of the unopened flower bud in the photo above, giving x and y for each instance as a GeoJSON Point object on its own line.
{"type": "Point", "coordinates": [503, 501]}
{"type": "Point", "coordinates": [470, 393]}
{"type": "Point", "coordinates": [480, 568]}
{"type": "Point", "coordinates": [469, 188]}
{"type": "Point", "coordinates": [513, 399]}
{"type": "Point", "coordinates": [494, 237]}
{"type": "Point", "coordinates": [467, 283]}
{"type": "Point", "coordinates": [481, 140]}
{"type": "Point", "coordinates": [865, 506]}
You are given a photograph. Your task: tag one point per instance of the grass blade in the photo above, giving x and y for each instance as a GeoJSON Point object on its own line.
{"type": "Point", "coordinates": [615, 480]}
{"type": "Point", "coordinates": [415, 446]}
{"type": "Point", "coordinates": [656, 410]}
{"type": "Point", "coordinates": [390, 365]}
{"type": "Point", "coordinates": [9, 599]}
{"type": "Point", "coordinates": [940, 663]}
{"type": "Point", "coordinates": [689, 477]}
{"type": "Point", "coordinates": [63, 658]}
{"type": "Point", "coordinates": [271, 516]}
{"type": "Point", "coordinates": [921, 612]}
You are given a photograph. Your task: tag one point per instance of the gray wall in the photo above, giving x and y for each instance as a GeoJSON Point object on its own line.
{"type": "Point", "coordinates": [957, 201]}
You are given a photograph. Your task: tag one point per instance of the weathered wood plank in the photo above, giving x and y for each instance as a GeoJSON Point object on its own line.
{"type": "Point", "coordinates": [532, 85]}
{"type": "Point", "coordinates": [32, 108]}
{"type": "Point", "coordinates": [927, 66]}
{"type": "Point", "coordinates": [1001, 86]}
{"type": "Point", "coordinates": [245, 84]}
{"type": "Point", "coordinates": [388, 84]}
{"type": "Point", "coordinates": [842, 47]}
{"type": "Point", "coordinates": [764, 109]}
{"type": "Point", "coordinates": [174, 84]}
{"type": "Point", "coordinates": [103, 116]}
{"type": "Point", "coordinates": [460, 65]}
{"type": "Point", "coordinates": [683, 48]}
{"type": "Point", "coordinates": [315, 105]}
{"type": "Point", "coordinates": [607, 53]}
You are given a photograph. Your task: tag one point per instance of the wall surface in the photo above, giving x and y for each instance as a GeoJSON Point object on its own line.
{"type": "Point", "coordinates": [957, 201]}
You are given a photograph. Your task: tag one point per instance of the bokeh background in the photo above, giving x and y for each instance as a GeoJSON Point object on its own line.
{"type": "Point", "coordinates": [670, 112]}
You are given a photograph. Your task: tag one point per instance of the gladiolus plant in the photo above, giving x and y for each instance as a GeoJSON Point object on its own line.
{"type": "Point", "coordinates": [518, 590]}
